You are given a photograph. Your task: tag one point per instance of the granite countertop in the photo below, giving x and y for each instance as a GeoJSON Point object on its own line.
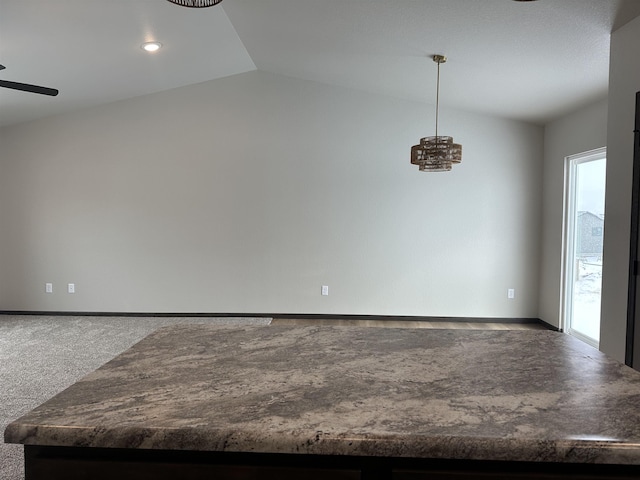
{"type": "Point", "coordinates": [460, 394]}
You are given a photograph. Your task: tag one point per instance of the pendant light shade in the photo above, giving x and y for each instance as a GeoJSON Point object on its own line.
{"type": "Point", "coordinates": [196, 3]}
{"type": "Point", "coordinates": [436, 153]}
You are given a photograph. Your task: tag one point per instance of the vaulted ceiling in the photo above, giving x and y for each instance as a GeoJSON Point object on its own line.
{"type": "Point", "coordinates": [531, 61]}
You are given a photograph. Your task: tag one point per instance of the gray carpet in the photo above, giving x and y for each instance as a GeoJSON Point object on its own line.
{"type": "Point", "coordinates": [42, 355]}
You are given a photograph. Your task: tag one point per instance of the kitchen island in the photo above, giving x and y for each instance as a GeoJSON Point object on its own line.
{"type": "Point", "coordinates": [198, 401]}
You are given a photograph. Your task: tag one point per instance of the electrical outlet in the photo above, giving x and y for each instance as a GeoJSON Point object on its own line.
{"type": "Point", "coordinates": [71, 288]}
{"type": "Point", "coordinates": [325, 289]}
{"type": "Point", "coordinates": [48, 287]}
{"type": "Point", "coordinates": [511, 293]}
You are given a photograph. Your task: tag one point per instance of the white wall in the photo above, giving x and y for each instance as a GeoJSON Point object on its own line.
{"type": "Point", "coordinates": [623, 84]}
{"type": "Point", "coordinates": [580, 131]}
{"type": "Point", "coordinates": [246, 194]}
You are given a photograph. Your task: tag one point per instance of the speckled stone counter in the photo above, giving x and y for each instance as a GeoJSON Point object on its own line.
{"type": "Point", "coordinates": [515, 396]}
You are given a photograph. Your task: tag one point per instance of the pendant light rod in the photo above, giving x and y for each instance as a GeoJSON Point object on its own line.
{"type": "Point", "coordinates": [438, 59]}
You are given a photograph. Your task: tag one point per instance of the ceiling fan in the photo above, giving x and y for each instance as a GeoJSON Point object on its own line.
{"type": "Point", "coordinates": [25, 87]}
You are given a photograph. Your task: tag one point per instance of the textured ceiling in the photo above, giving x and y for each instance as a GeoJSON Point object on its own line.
{"type": "Point", "coordinates": [531, 61]}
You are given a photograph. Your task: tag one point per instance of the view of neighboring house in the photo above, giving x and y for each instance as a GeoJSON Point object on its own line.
{"type": "Point", "coordinates": [590, 229]}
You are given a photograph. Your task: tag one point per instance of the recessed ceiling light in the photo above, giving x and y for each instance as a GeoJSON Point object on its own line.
{"type": "Point", "coordinates": [151, 46]}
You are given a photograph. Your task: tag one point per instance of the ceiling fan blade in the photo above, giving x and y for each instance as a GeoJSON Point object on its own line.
{"type": "Point", "coordinates": [2, 67]}
{"type": "Point", "coordinates": [25, 87]}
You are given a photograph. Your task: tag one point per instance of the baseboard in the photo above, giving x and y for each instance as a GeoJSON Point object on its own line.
{"type": "Point", "coordinates": [549, 326]}
{"type": "Point", "coordinates": [304, 316]}
{"type": "Point", "coordinates": [505, 320]}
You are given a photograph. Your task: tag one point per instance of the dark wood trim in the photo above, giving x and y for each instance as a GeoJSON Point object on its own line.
{"type": "Point", "coordinates": [633, 242]}
{"type": "Point", "coordinates": [303, 316]}
{"type": "Point", "coordinates": [548, 326]}
{"type": "Point", "coordinates": [78, 463]}
{"type": "Point", "coordinates": [406, 317]}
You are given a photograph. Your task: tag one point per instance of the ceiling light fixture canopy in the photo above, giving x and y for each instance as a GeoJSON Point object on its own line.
{"type": "Point", "coordinates": [196, 3]}
{"type": "Point", "coordinates": [437, 153]}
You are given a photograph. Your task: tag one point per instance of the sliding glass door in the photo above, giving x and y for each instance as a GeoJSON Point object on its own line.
{"type": "Point", "coordinates": [584, 234]}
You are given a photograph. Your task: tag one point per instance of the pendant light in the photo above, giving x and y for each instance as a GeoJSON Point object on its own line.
{"type": "Point", "coordinates": [196, 3]}
{"type": "Point", "coordinates": [437, 153]}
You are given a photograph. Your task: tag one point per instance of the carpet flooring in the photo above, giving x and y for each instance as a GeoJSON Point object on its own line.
{"type": "Point", "coordinates": [42, 355]}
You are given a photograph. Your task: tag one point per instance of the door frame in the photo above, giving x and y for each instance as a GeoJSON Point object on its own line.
{"type": "Point", "coordinates": [634, 244]}
{"type": "Point", "coordinates": [568, 235]}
